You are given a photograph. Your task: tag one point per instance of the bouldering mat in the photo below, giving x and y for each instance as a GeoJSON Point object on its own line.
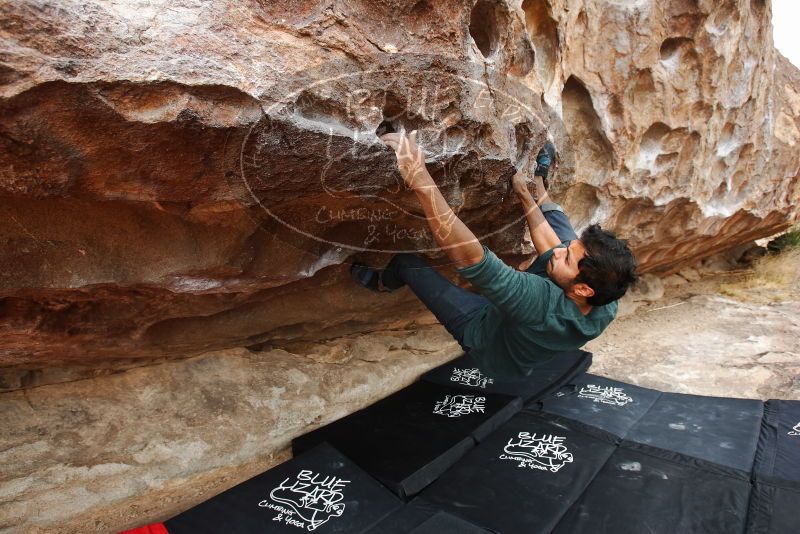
{"type": "Point", "coordinates": [409, 438]}
{"type": "Point", "coordinates": [595, 455]}
{"type": "Point", "coordinates": [598, 401]}
{"type": "Point", "coordinates": [444, 523]}
{"type": "Point", "coordinates": [525, 476]}
{"type": "Point", "coordinates": [720, 430]}
{"type": "Point", "coordinates": [778, 453]}
{"type": "Point", "coordinates": [421, 517]}
{"type": "Point", "coordinates": [320, 490]}
{"type": "Point", "coordinates": [465, 372]}
{"type": "Point", "coordinates": [774, 507]}
{"type": "Point", "coordinates": [644, 489]}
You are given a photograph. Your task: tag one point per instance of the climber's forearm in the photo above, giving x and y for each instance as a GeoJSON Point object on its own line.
{"type": "Point", "coordinates": [539, 191]}
{"type": "Point", "coordinates": [460, 244]}
{"type": "Point", "coordinates": [542, 234]}
{"type": "Point", "coordinates": [458, 241]}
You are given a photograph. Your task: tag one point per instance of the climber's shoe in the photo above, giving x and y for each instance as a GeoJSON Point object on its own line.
{"type": "Point", "coordinates": [368, 277]}
{"type": "Point", "coordinates": [544, 160]}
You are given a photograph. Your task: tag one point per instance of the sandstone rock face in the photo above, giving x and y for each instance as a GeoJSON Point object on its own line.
{"type": "Point", "coordinates": [175, 178]}
{"type": "Point", "coordinates": [111, 453]}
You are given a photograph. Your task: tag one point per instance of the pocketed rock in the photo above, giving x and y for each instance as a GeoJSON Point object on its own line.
{"type": "Point", "coordinates": [141, 145]}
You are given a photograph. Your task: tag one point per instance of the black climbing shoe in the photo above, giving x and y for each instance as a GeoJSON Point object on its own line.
{"type": "Point", "coordinates": [368, 277]}
{"type": "Point", "coordinates": [544, 160]}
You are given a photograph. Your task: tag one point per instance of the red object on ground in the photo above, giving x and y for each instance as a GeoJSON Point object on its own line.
{"type": "Point", "coordinates": [155, 528]}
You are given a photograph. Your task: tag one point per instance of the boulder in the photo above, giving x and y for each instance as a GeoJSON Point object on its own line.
{"type": "Point", "coordinates": [192, 176]}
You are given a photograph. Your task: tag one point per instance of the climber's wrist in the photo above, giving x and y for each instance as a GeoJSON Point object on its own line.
{"type": "Point", "coordinates": [540, 191]}
{"type": "Point", "coordinates": [542, 199]}
{"type": "Point", "coordinates": [419, 179]}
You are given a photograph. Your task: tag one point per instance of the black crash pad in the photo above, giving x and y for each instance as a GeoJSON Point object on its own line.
{"type": "Point", "coordinates": [774, 508]}
{"type": "Point", "coordinates": [525, 476]}
{"type": "Point", "coordinates": [720, 430]}
{"type": "Point", "coordinates": [409, 438]}
{"type": "Point", "coordinates": [444, 523]}
{"type": "Point", "coordinates": [421, 517]}
{"type": "Point", "coordinates": [778, 453]}
{"type": "Point", "coordinates": [465, 372]}
{"type": "Point", "coordinates": [320, 490]}
{"type": "Point", "coordinates": [643, 489]}
{"type": "Point", "coordinates": [601, 402]}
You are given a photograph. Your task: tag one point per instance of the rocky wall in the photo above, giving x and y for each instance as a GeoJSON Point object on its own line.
{"type": "Point", "coordinates": [109, 453]}
{"type": "Point", "coordinates": [177, 177]}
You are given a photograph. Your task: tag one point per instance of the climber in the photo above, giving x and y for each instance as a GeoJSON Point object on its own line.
{"type": "Point", "coordinates": [565, 298]}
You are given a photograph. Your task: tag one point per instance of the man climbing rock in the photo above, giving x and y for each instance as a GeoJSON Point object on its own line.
{"type": "Point", "coordinates": [519, 319]}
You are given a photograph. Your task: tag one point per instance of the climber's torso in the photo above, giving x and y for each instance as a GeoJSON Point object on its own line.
{"type": "Point", "coordinates": [529, 318]}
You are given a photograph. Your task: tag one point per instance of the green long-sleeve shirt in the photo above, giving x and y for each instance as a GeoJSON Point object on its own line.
{"type": "Point", "coordinates": [529, 319]}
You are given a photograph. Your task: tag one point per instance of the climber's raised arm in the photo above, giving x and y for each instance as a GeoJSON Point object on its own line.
{"type": "Point", "coordinates": [542, 234]}
{"type": "Point", "coordinates": [458, 241]}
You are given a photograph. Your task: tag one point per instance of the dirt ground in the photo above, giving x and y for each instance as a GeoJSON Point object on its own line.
{"type": "Point", "coordinates": [732, 334]}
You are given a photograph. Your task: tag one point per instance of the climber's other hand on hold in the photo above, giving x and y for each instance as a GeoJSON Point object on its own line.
{"type": "Point", "coordinates": [410, 159]}
{"type": "Point", "coordinates": [521, 184]}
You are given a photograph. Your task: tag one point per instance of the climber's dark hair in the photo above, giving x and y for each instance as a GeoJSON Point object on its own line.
{"type": "Point", "coordinates": [608, 267]}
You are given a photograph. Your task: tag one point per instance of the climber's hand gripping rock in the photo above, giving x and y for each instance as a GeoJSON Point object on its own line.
{"type": "Point", "coordinates": [410, 159]}
{"type": "Point", "coordinates": [451, 234]}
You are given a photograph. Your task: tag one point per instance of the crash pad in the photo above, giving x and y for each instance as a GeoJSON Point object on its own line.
{"type": "Point", "coordinates": [467, 373]}
{"type": "Point", "coordinates": [525, 476]}
{"type": "Point", "coordinates": [778, 453]}
{"type": "Point", "coordinates": [411, 437]}
{"type": "Point", "coordinates": [320, 490]}
{"type": "Point", "coordinates": [601, 402]}
{"type": "Point", "coordinates": [717, 429]}
{"type": "Point", "coordinates": [421, 517]}
{"type": "Point", "coordinates": [644, 489]}
{"type": "Point", "coordinates": [774, 507]}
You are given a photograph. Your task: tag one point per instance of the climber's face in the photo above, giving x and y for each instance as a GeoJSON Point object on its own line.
{"type": "Point", "coordinates": [563, 265]}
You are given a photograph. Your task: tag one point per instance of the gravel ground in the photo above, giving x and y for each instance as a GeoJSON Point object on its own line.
{"type": "Point", "coordinates": [719, 335]}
